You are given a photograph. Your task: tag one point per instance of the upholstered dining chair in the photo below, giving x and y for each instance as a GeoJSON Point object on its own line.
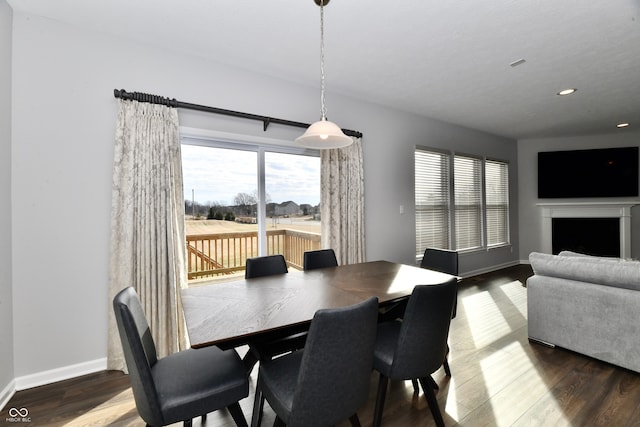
{"type": "Point", "coordinates": [415, 347]}
{"type": "Point", "coordinates": [319, 259]}
{"type": "Point", "coordinates": [183, 385]}
{"type": "Point", "coordinates": [444, 261]}
{"type": "Point", "coordinates": [328, 381]}
{"type": "Point", "coordinates": [277, 343]}
{"type": "Point", "coordinates": [265, 266]}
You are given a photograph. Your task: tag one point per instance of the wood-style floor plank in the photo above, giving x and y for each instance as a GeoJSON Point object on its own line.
{"type": "Point", "coordinates": [499, 378]}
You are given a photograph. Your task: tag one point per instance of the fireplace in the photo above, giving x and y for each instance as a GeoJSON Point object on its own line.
{"type": "Point", "coordinates": [591, 236]}
{"type": "Point", "coordinates": [580, 220]}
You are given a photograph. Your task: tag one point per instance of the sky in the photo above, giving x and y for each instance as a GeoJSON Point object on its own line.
{"type": "Point", "coordinates": [216, 175]}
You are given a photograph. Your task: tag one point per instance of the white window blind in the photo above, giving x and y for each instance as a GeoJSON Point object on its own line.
{"type": "Point", "coordinates": [497, 196]}
{"type": "Point", "coordinates": [467, 172]}
{"type": "Point", "coordinates": [432, 200]}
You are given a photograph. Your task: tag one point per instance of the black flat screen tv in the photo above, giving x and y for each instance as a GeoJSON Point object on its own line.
{"type": "Point", "coordinates": [607, 172]}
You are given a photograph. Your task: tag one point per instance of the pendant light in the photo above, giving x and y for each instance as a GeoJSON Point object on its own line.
{"type": "Point", "coordinates": [323, 134]}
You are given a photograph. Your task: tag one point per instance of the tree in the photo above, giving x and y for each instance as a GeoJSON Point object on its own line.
{"type": "Point", "coordinates": [244, 201]}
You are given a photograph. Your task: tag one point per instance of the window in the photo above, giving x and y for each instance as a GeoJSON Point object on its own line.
{"type": "Point", "coordinates": [246, 200]}
{"type": "Point", "coordinates": [467, 191]}
{"type": "Point", "coordinates": [497, 195]}
{"type": "Point", "coordinates": [432, 200]}
{"type": "Point", "coordinates": [462, 202]}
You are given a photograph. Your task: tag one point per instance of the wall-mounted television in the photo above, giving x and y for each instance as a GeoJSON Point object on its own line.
{"type": "Point", "coordinates": [606, 172]}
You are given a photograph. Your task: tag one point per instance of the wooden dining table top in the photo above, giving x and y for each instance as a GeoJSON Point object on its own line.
{"type": "Point", "coordinates": [234, 313]}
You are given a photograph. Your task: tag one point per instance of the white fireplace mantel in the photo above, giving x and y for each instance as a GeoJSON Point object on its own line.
{"type": "Point", "coordinates": [608, 209]}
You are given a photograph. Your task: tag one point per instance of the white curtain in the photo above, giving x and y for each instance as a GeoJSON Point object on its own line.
{"type": "Point", "coordinates": [147, 224]}
{"type": "Point", "coordinates": [342, 202]}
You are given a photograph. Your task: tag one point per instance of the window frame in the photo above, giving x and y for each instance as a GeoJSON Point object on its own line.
{"type": "Point", "coordinates": [259, 145]}
{"type": "Point", "coordinates": [507, 205]}
{"type": "Point", "coordinates": [477, 199]}
{"type": "Point", "coordinates": [443, 232]}
{"type": "Point", "coordinates": [481, 188]}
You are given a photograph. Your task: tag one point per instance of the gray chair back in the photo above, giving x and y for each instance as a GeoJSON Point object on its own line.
{"type": "Point", "coordinates": [139, 353]}
{"type": "Point", "coordinates": [319, 259]}
{"type": "Point", "coordinates": [265, 266]}
{"type": "Point", "coordinates": [422, 342]}
{"type": "Point", "coordinates": [336, 365]}
{"type": "Point", "coordinates": [442, 260]}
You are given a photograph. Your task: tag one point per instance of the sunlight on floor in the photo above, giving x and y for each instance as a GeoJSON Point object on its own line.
{"type": "Point", "coordinates": [493, 319]}
{"type": "Point", "coordinates": [517, 293]}
{"type": "Point", "coordinates": [488, 324]}
{"type": "Point", "coordinates": [504, 372]}
{"type": "Point", "coordinates": [124, 401]}
{"type": "Point", "coordinates": [453, 408]}
{"type": "Point", "coordinates": [491, 315]}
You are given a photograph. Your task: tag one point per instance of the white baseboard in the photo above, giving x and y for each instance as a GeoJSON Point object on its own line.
{"type": "Point", "coordinates": [60, 374]}
{"type": "Point", "coordinates": [7, 393]}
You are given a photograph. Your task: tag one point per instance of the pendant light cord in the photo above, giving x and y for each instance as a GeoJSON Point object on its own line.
{"type": "Point", "coordinates": [323, 109]}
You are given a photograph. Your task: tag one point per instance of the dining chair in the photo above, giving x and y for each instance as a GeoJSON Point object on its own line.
{"type": "Point", "coordinates": [183, 385]}
{"type": "Point", "coordinates": [265, 266]}
{"type": "Point", "coordinates": [328, 381]}
{"type": "Point", "coordinates": [278, 342]}
{"type": "Point", "coordinates": [414, 347]}
{"type": "Point", "coordinates": [319, 259]}
{"type": "Point", "coordinates": [444, 261]}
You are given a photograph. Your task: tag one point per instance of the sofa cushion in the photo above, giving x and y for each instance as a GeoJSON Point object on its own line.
{"type": "Point", "coordinates": [606, 271]}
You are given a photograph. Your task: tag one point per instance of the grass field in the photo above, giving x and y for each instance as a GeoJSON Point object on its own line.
{"type": "Point", "coordinates": [212, 226]}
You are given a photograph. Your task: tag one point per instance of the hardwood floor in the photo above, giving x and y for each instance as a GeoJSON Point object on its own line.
{"type": "Point", "coordinates": [499, 378]}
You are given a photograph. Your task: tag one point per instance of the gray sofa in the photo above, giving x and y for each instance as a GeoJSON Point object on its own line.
{"type": "Point", "coordinates": [590, 305]}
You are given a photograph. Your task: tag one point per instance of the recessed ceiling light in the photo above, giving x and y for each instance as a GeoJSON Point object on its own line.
{"type": "Point", "coordinates": [567, 91]}
{"type": "Point", "coordinates": [622, 125]}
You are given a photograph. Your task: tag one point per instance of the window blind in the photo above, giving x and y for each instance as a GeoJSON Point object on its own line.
{"type": "Point", "coordinates": [431, 200]}
{"type": "Point", "coordinates": [467, 172]}
{"type": "Point", "coordinates": [497, 197]}
{"type": "Point", "coordinates": [462, 201]}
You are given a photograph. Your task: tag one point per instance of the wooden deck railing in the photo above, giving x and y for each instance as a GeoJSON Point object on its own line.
{"type": "Point", "coordinates": [210, 255]}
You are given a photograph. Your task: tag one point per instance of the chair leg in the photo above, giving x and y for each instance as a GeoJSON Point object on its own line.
{"type": "Point", "coordinates": [355, 421]}
{"type": "Point", "coordinates": [432, 401]}
{"type": "Point", "coordinates": [433, 383]}
{"type": "Point", "coordinates": [187, 423]}
{"type": "Point", "coordinates": [445, 364]}
{"type": "Point", "coordinates": [236, 414]}
{"type": "Point", "coordinates": [447, 370]}
{"type": "Point", "coordinates": [204, 418]}
{"type": "Point", "coordinates": [382, 391]}
{"type": "Point", "coordinates": [250, 360]}
{"type": "Point", "coordinates": [258, 405]}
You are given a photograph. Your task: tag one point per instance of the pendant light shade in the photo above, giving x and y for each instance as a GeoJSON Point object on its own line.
{"type": "Point", "coordinates": [323, 134]}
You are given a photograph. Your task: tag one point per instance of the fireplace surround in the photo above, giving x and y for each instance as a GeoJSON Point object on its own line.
{"type": "Point", "coordinates": [620, 210]}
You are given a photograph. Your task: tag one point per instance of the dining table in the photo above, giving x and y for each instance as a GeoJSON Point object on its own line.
{"type": "Point", "coordinates": [240, 312]}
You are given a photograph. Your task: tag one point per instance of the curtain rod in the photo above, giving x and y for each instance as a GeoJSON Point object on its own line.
{"type": "Point", "coordinates": [266, 121]}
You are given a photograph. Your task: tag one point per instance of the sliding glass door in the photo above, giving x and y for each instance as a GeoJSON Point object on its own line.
{"type": "Point", "coordinates": [244, 200]}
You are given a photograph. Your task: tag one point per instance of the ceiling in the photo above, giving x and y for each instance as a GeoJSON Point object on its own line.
{"type": "Point", "coordinates": [448, 60]}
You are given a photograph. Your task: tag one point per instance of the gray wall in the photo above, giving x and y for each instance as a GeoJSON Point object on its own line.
{"type": "Point", "coordinates": [63, 130]}
{"type": "Point", "coordinates": [530, 214]}
{"type": "Point", "coordinates": [6, 306]}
